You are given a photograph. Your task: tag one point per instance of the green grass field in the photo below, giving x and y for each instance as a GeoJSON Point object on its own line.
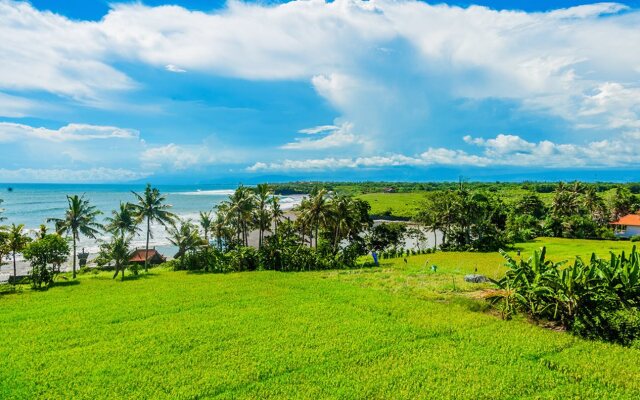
{"type": "Point", "coordinates": [403, 205]}
{"type": "Point", "coordinates": [397, 331]}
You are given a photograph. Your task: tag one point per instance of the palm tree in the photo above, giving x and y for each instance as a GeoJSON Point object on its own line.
{"type": "Point", "coordinates": [16, 240]}
{"type": "Point", "coordinates": [317, 212]}
{"type": "Point", "coordinates": [263, 216]}
{"type": "Point", "coordinates": [276, 211]}
{"type": "Point", "coordinates": [1, 211]}
{"type": "Point", "coordinates": [117, 250]}
{"type": "Point", "coordinates": [206, 223]}
{"type": "Point", "coordinates": [220, 228]}
{"type": "Point", "coordinates": [152, 208]}
{"type": "Point", "coordinates": [241, 206]}
{"type": "Point", "coordinates": [123, 221]}
{"type": "Point", "coordinates": [185, 237]}
{"type": "Point", "coordinates": [80, 218]}
{"type": "Point", "coordinates": [42, 232]}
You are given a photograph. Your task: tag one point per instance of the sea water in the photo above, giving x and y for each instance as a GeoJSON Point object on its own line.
{"type": "Point", "coordinates": [33, 204]}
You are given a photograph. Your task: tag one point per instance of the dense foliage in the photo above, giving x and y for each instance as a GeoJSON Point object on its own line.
{"type": "Point", "coordinates": [328, 233]}
{"type": "Point", "coordinates": [596, 299]}
{"type": "Point", "coordinates": [46, 255]}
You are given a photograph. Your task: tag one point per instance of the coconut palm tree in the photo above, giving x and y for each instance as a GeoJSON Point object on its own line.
{"type": "Point", "coordinates": [80, 218]}
{"type": "Point", "coordinates": [117, 250]}
{"type": "Point", "coordinates": [276, 211]}
{"type": "Point", "coordinates": [241, 206]}
{"type": "Point", "coordinates": [184, 235]}
{"type": "Point", "coordinates": [263, 216]}
{"type": "Point", "coordinates": [151, 207]}
{"type": "Point", "coordinates": [342, 218]}
{"type": "Point", "coordinates": [206, 223]}
{"type": "Point", "coordinates": [220, 228]}
{"type": "Point", "coordinates": [16, 240]}
{"type": "Point", "coordinates": [123, 221]}
{"type": "Point", "coordinates": [317, 212]}
{"type": "Point", "coordinates": [42, 232]}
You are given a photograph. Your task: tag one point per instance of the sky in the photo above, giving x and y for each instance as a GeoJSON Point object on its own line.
{"type": "Point", "coordinates": [199, 91]}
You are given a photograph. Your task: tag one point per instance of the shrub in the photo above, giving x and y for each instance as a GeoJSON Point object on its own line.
{"type": "Point", "coordinates": [599, 299]}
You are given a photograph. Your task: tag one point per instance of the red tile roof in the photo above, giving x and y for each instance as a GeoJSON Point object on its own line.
{"type": "Point", "coordinates": [138, 255]}
{"type": "Point", "coordinates": [628, 220]}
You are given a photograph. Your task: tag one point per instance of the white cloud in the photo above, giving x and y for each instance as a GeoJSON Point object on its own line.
{"type": "Point", "coordinates": [176, 156]}
{"type": "Point", "coordinates": [547, 60]}
{"type": "Point", "coordinates": [14, 106]}
{"type": "Point", "coordinates": [337, 136]}
{"type": "Point", "coordinates": [503, 150]}
{"type": "Point", "coordinates": [44, 51]}
{"type": "Point", "coordinates": [387, 66]}
{"type": "Point", "coordinates": [11, 132]}
{"type": "Point", "coordinates": [173, 68]}
{"type": "Point", "coordinates": [318, 129]}
{"type": "Point", "coordinates": [93, 175]}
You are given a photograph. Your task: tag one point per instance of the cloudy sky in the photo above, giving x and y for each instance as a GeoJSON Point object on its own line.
{"type": "Point", "coordinates": [196, 90]}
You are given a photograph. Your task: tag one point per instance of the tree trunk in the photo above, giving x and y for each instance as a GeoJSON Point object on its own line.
{"type": "Point", "coordinates": [15, 270]}
{"type": "Point", "coordinates": [316, 237]}
{"type": "Point", "coordinates": [117, 270]}
{"type": "Point", "coordinates": [146, 249]}
{"type": "Point", "coordinates": [74, 255]}
{"type": "Point", "coordinates": [435, 240]}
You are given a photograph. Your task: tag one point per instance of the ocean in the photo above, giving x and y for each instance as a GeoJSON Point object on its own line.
{"type": "Point", "coordinates": [33, 204]}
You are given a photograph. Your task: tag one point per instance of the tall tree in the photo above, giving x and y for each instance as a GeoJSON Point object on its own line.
{"type": "Point", "coordinates": [206, 223]}
{"type": "Point", "coordinates": [151, 207]}
{"type": "Point", "coordinates": [220, 229]}
{"type": "Point", "coordinates": [184, 235]}
{"type": "Point", "coordinates": [241, 210]}
{"type": "Point", "coordinates": [80, 218]}
{"type": "Point", "coordinates": [263, 216]}
{"type": "Point", "coordinates": [276, 211]}
{"type": "Point", "coordinates": [117, 250]}
{"type": "Point", "coordinates": [123, 221]}
{"type": "Point", "coordinates": [317, 211]}
{"type": "Point", "coordinates": [16, 240]}
{"type": "Point", "coordinates": [42, 232]}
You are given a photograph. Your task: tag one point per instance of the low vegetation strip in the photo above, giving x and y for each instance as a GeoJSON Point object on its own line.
{"type": "Point", "coordinates": [273, 335]}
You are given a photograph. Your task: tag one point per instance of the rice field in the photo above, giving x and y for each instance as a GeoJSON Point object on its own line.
{"type": "Point", "coordinates": [397, 331]}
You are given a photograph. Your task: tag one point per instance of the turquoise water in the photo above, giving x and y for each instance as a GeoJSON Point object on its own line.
{"type": "Point", "coordinates": [32, 204]}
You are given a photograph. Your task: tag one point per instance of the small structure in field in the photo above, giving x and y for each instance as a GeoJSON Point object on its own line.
{"type": "Point", "coordinates": [627, 226]}
{"type": "Point", "coordinates": [154, 257]}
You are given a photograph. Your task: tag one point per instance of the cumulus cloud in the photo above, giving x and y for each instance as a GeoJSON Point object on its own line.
{"type": "Point", "coordinates": [503, 150]}
{"type": "Point", "coordinates": [549, 61]}
{"type": "Point", "coordinates": [334, 136]}
{"type": "Point", "coordinates": [47, 52]}
{"type": "Point", "coordinates": [176, 157]}
{"type": "Point", "coordinates": [389, 67]}
{"type": "Point", "coordinates": [11, 132]}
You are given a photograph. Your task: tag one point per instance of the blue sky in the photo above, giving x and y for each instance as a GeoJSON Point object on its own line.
{"type": "Point", "coordinates": [204, 91]}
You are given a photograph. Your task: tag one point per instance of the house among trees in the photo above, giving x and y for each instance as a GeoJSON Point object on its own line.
{"type": "Point", "coordinates": [154, 257]}
{"type": "Point", "coordinates": [627, 226]}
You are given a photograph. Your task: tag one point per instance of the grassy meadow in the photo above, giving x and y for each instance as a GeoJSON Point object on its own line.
{"type": "Point", "coordinates": [406, 204]}
{"type": "Point", "coordinates": [396, 331]}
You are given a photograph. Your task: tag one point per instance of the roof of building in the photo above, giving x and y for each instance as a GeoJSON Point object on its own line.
{"type": "Point", "coordinates": [628, 220]}
{"type": "Point", "coordinates": [138, 255]}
